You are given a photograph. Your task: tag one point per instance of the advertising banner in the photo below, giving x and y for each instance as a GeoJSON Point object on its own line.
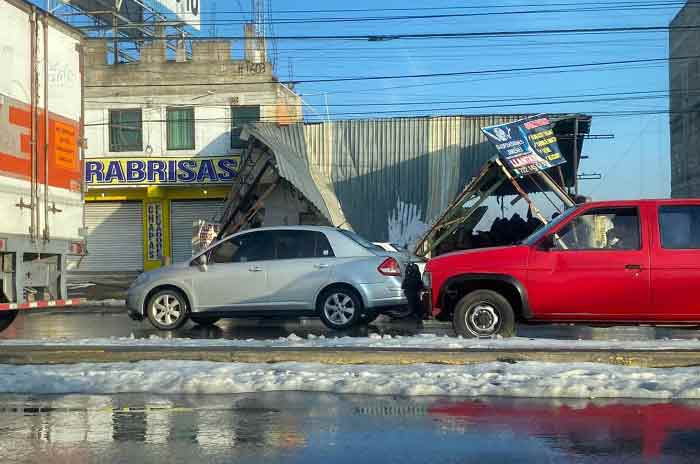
{"type": "Point", "coordinates": [187, 11]}
{"type": "Point", "coordinates": [527, 145]}
{"type": "Point", "coordinates": [161, 171]}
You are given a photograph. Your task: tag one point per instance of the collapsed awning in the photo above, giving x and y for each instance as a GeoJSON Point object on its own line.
{"type": "Point", "coordinates": [281, 150]}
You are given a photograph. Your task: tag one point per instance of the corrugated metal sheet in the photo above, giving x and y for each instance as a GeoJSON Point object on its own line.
{"type": "Point", "coordinates": [288, 146]}
{"type": "Point", "coordinates": [392, 177]}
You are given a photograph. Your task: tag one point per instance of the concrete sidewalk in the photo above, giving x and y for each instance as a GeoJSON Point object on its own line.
{"type": "Point", "coordinates": [109, 354]}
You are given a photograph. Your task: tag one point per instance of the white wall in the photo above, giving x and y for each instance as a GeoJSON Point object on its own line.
{"type": "Point", "coordinates": [212, 123]}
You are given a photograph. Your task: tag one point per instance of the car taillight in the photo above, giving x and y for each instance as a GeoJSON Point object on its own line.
{"type": "Point", "coordinates": [389, 267]}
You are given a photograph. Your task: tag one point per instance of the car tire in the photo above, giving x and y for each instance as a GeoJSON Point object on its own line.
{"type": "Point", "coordinates": [484, 313]}
{"type": "Point", "coordinates": [167, 309]}
{"type": "Point", "coordinates": [204, 321]}
{"type": "Point", "coordinates": [7, 318]}
{"type": "Point", "coordinates": [340, 308]}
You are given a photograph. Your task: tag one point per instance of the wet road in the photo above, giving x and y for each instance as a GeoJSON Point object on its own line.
{"type": "Point", "coordinates": [312, 428]}
{"type": "Point", "coordinates": [114, 323]}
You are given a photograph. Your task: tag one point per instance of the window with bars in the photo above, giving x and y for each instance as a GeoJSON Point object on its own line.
{"type": "Point", "coordinates": [180, 128]}
{"type": "Point", "coordinates": [125, 130]}
{"type": "Point", "coordinates": [240, 116]}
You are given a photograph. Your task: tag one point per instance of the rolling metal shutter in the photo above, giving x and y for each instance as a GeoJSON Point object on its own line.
{"type": "Point", "coordinates": [182, 216]}
{"type": "Point", "coordinates": [115, 237]}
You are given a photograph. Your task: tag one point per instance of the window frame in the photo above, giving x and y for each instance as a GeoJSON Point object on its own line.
{"type": "Point", "coordinates": [237, 127]}
{"type": "Point", "coordinates": [661, 232]}
{"type": "Point", "coordinates": [636, 209]}
{"type": "Point", "coordinates": [113, 146]}
{"type": "Point", "coordinates": [168, 127]}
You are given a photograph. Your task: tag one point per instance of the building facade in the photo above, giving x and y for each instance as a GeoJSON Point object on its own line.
{"type": "Point", "coordinates": [684, 79]}
{"type": "Point", "coordinates": [163, 145]}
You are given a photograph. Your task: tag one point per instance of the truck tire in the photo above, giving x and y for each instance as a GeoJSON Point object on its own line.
{"type": "Point", "coordinates": [167, 309]}
{"type": "Point", "coordinates": [7, 318]}
{"type": "Point", "coordinates": [484, 313]}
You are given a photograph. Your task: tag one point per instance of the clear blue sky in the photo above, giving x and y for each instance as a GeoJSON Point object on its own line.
{"type": "Point", "coordinates": [634, 164]}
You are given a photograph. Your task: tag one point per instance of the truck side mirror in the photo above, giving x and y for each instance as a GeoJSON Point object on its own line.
{"type": "Point", "coordinates": [547, 243]}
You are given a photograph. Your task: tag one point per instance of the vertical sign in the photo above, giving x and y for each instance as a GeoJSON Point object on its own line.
{"type": "Point", "coordinates": [155, 231]}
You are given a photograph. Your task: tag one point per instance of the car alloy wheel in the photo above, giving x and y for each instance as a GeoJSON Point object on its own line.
{"type": "Point", "coordinates": [339, 308]}
{"type": "Point", "coordinates": [167, 310]}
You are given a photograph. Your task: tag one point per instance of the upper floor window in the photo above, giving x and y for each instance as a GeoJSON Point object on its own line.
{"type": "Point", "coordinates": [180, 128]}
{"type": "Point", "coordinates": [240, 116]}
{"type": "Point", "coordinates": [680, 227]}
{"type": "Point", "coordinates": [125, 130]}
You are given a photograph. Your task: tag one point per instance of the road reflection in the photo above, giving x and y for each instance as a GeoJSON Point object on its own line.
{"type": "Point", "coordinates": [305, 427]}
{"type": "Point", "coordinates": [649, 430]}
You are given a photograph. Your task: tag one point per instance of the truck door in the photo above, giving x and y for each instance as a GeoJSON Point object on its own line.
{"type": "Point", "coordinates": [597, 268]}
{"type": "Point", "coordinates": [675, 264]}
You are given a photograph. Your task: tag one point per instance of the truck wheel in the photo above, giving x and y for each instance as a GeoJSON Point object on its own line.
{"type": "Point", "coordinates": [204, 321]}
{"type": "Point", "coordinates": [339, 308]}
{"type": "Point", "coordinates": [167, 309]}
{"type": "Point", "coordinates": [484, 313]}
{"type": "Point", "coordinates": [7, 318]}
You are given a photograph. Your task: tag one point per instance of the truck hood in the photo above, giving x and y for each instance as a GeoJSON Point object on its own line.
{"type": "Point", "coordinates": [487, 260]}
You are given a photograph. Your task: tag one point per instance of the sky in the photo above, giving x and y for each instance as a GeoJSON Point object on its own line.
{"type": "Point", "coordinates": [634, 164]}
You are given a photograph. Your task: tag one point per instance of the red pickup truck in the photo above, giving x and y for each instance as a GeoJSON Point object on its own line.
{"type": "Point", "coordinates": [601, 262]}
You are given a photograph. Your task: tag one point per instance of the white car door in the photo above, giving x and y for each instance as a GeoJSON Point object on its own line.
{"type": "Point", "coordinates": [236, 274]}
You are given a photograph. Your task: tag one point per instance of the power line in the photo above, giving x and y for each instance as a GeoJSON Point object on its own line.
{"type": "Point", "coordinates": [307, 20]}
{"type": "Point", "coordinates": [455, 7]}
{"type": "Point", "coordinates": [616, 96]}
{"type": "Point", "coordinates": [439, 35]}
{"type": "Point", "coordinates": [408, 76]}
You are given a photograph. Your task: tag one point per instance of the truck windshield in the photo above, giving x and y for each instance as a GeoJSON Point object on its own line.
{"type": "Point", "coordinates": [541, 232]}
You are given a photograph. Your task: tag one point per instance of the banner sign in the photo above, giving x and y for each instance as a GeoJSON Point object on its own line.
{"type": "Point", "coordinates": [155, 231]}
{"type": "Point", "coordinates": [161, 171]}
{"type": "Point", "coordinates": [527, 145]}
{"type": "Point", "coordinates": [187, 11]}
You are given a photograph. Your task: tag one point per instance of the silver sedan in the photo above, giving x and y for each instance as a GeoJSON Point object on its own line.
{"type": "Point", "coordinates": [279, 271]}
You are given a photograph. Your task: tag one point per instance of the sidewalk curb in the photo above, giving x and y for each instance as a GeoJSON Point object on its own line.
{"type": "Point", "coordinates": [20, 355]}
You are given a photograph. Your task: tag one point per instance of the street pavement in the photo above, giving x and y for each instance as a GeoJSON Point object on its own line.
{"type": "Point", "coordinates": [320, 428]}
{"type": "Point", "coordinates": [100, 322]}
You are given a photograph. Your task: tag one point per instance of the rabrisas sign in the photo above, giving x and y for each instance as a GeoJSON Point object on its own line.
{"type": "Point", "coordinates": [161, 171]}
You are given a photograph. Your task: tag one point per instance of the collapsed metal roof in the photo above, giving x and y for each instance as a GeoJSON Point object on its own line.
{"type": "Point", "coordinates": [391, 178]}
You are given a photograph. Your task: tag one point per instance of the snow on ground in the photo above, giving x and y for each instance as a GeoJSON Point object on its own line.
{"type": "Point", "coordinates": [422, 341]}
{"type": "Point", "coordinates": [526, 379]}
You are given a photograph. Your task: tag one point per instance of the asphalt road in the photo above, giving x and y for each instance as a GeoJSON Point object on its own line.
{"type": "Point", "coordinates": [99, 322]}
{"type": "Point", "coordinates": [321, 428]}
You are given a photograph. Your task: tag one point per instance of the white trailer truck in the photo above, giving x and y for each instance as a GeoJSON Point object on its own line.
{"type": "Point", "coordinates": [41, 135]}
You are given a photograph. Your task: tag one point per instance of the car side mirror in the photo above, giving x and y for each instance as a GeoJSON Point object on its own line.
{"type": "Point", "coordinates": [202, 262]}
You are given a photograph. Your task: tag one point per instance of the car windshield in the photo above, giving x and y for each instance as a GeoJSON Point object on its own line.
{"type": "Point", "coordinates": [361, 241]}
{"type": "Point", "coordinates": [542, 231]}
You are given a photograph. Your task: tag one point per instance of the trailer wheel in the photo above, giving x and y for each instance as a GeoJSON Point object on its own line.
{"type": "Point", "coordinates": [7, 318]}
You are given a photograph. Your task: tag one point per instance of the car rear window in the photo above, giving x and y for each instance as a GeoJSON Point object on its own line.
{"type": "Point", "coordinates": [680, 227]}
{"type": "Point", "coordinates": [360, 241]}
